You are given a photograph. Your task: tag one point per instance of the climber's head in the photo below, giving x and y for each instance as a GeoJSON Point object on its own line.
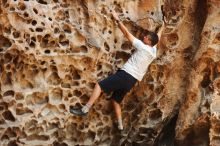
{"type": "Point", "coordinates": [151, 39]}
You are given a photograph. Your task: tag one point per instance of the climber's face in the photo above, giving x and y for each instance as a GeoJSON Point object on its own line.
{"type": "Point", "coordinates": [147, 40]}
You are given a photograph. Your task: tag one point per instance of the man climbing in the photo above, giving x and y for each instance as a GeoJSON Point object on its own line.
{"type": "Point", "coordinates": [124, 79]}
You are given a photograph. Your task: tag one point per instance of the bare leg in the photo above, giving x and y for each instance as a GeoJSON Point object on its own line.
{"type": "Point", "coordinates": [95, 94]}
{"type": "Point", "coordinates": [85, 109]}
{"type": "Point", "coordinates": [117, 109]}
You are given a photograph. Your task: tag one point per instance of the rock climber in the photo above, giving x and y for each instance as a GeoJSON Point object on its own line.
{"type": "Point", "coordinates": [124, 79]}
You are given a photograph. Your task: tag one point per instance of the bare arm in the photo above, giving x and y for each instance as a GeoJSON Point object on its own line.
{"type": "Point", "coordinates": [124, 30]}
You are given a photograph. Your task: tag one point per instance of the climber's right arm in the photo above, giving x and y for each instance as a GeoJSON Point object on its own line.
{"type": "Point", "coordinates": [122, 27]}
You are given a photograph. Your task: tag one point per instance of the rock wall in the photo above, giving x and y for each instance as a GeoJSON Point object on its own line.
{"type": "Point", "coordinates": [53, 51]}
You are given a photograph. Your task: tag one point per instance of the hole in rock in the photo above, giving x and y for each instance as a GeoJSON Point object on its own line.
{"type": "Point", "coordinates": [12, 143]}
{"type": "Point", "coordinates": [103, 11]}
{"type": "Point", "coordinates": [37, 137]}
{"type": "Point", "coordinates": [39, 38]}
{"type": "Point", "coordinates": [122, 55]}
{"type": "Point", "coordinates": [4, 42]}
{"type": "Point", "coordinates": [42, 2]}
{"type": "Point", "coordinates": [43, 23]}
{"type": "Point", "coordinates": [7, 58]}
{"type": "Point", "coordinates": [218, 36]}
{"type": "Point", "coordinates": [7, 30]}
{"type": "Point", "coordinates": [21, 6]}
{"type": "Point", "coordinates": [54, 78]}
{"type": "Point", "coordinates": [53, 67]}
{"type": "Point", "coordinates": [56, 94]}
{"type": "Point", "coordinates": [91, 135]}
{"type": "Point", "coordinates": [10, 133]}
{"type": "Point", "coordinates": [83, 49]}
{"type": "Point", "coordinates": [26, 14]}
{"type": "Point", "coordinates": [99, 67]}
{"type": "Point", "coordinates": [62, 106]}
{"type": "Point", "coordinates": [126, 46]}
{"type": "Point", "coordinates": [173, 37]}
{"type": "Point", "coordinates": [77, 93]}
{"type": "Point", "coordinates": [34, 22]}
{"type": "Point", "coordinates": [1, 67]}
{"type": "Point", "coordinates": [8, 67]}
{"type": "Point", "coordinates": [65, 85]}
{"type": "Point", "coordinates": [64, 43]}
{"type": "Point", "coordinates": [84, 98]}
{"type": "Point", "coordinates": [30, 125]}
{"type": "Point", "coordinates": [8, 116]}
{"type": "Point", "coordinates": [47, 51]}
{"type": "Point", "coordinates": [206, 80]}
{"type": "Point", "coordinates": [4, 2]}
{"type": "Point", "coordinates": [76, 83]}
{"type": "Point", "coordinates": [7, 79]}
{"type": "Point", "coordinates": [22, 110]}
{"type": "Point", "coordinates": [16, 34]}
{"type": "Point", "coordinates": [4, 137]}
{"type": "Point", "coordinates": [75, 75]}
{"type": "Point", "coordinates": [9, 93]}
{"type": "Point", "coordinates": [3, 105]}
{"type": "Point", "coordinates": [39, 29]}
{"type": "Point", "coordinates": [19, 105]}
{"type": "Point", "coordinates": [155, 114]}
{"type": "Point", "coordinates": [1, 108]}
{"type": "Point", "coordinates": [55, 143]}
{"type": "Point", "coordinates": [100, 74]}
{"type": "Point", "coordinates": [78, 9]}
{"type": "Point", "coordinates": [35, 10]}
{"type": "Point", "coordinates": [67, 28]}
{"type": "Point", "coordinates": [61, 37]}
{"type": "Point", "coordinates": [91, 85]}
{"type": "Point", "coordinates": [31, 29]}
{"type": "Point", "coordinates": [32, 44]}
{"type": "Point", "coordinates": [56, 30]}
{"type": "Point", "coordinates": [29, 21]}
{"type": "Point", "coordinates": [187, 53]}
{"type": "Point", "coordinates": [107, 48]}
{"type": "Point", "coordinates": [39, 98]}
{"type": "Point", "coordinates": [33, 39]}
{"type": "Point", "coordinates": [45, 43]}
{"type": "Point", "coordinates": [158, 89]}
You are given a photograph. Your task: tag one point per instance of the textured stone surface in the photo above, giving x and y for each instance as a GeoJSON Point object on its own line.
{"type": "Point", "coordinates": [53, 51]}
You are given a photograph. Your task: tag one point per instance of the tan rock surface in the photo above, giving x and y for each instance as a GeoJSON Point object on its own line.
{"type": "Point", "coordinates": [53, 51]}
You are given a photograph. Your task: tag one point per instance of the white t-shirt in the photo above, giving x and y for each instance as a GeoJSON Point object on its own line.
{"type": "Point", "coordinates": [139, 61]}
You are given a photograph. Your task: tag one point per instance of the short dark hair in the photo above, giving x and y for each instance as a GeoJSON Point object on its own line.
{"type": "Point", "coordinates": [153, 37]}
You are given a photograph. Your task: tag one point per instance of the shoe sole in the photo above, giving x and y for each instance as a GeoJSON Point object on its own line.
{"type": "Point", "coordinates": [76, 113]}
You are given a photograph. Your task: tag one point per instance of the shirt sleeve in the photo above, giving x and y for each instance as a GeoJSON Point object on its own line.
{"type": "Point", "coordinates": [138, 44]}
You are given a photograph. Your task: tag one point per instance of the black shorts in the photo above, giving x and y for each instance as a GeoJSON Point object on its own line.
{"type": "Point", "coordinates": [119, 83]}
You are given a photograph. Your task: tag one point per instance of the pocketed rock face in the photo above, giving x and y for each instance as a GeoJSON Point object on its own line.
{"type": "Point", "coordinates": [198, 122]}
{"type": "Point", "coordinates": [53, 51]}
